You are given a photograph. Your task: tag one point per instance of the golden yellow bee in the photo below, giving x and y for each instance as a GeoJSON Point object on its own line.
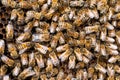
{"type": "Point", "coordinates": [100, 68]}
{"type": "Point", "coordinates": [43, 77]}
{"type": "Point", "coordinates": [49, 67]}
{"type": "Point", "coordinates": [2, 46]}
{"type": "Point", "coordinates": [118, 37]}
{"type": "Point", "coordinates": [7, 60]}
{"type": "Point", "coordinates": [29, 27]}
{"type": "Point", "coordinates": [72, 33]}
{"type": "Point", "coordinates": [24, 4]}
{"type": "Point", "coordinates": [9, 31]}
{"type": "Point", "coordinates": [78, 54]}
{"type": "Point", "coordinates": [21, 18]}
{"type": "Point", "coordinates": [31, 59]}
{"type": "Point", "coordinates": [72, 62]}
{"type": "Point", "coordinates": [24, 59]}
{"type": "Point", "coordinates": [13, 51]}
{"type": "Point", "coordinates": [60, 75]}
{"type": "Point", "coordinates": [24, 47]}
{"type": "Point", "coordinates": [27, 72]}
{"type": "Point", "coordinates": [53, 27]}
{"type": "Point", "coordinates": [3, 69]}
{"type": "Point", "coordinates": [13, 14]}
{"type": "Point", "coordinates": [62, 48]}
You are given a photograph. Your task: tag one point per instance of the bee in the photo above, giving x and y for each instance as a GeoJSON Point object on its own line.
{"type": "Point", "coordinates": [86, 52]}
{"type": "Point", "coordinates": [24, 47]}
{"type": "Point", "coordinates": [63, 26]}
{"type": "Point", "coordinates": [92, 40]}
{"type": "Point", "coordinates": [62, 48]}
{"type": "Point", "coordinates": [55, 40]}
{"type": "Point", "coordinates": [44, 8]}
{"type": "Point", "coordinates": [37, 70]}
{"type": "Point", "coordinates": [52, 78]}
{"type": "Point", "coordinates": [117, 69]}
{"type": "Point", "coordinates": [29, 15]}
{"type": "Point", "coordinates": [88, 43]}
{"type": "Point", "coordinates": [64, 56]}
{"type": "Point", "coordinates": [72, 33]}
{"type": "Point", "coordinates": [27, 72]}
{"type": "Point", "coordinates": [49, 65]}
{"type": "Point", "coordinates": [72, 62]}
{"type": "Point", "coordinates": [76, 3]}
{"type": "Point", "coordinates": [111, 71]}
{"type": "Point", "coordinates": [24, 5]}
{"type": "Point", "coordinates": [3, 70]}
{"type": "Point", "coordinates": [109, 26]}
{"type": "Point", "coordinates": [114, 23]}
{"type": "Point", "coordinates": [85, 60]}
{"type": "Point", "coordinates": [9, 31]}
{"type": "Point", "coordinates": [13, 14]}
{"type": "Point", "coordinates": [91, 29]}
{"type": "Point", "coordinates": [103, 19]}
{"type": "Point", "coordinates": [38, 15]}
{"type": "Point", "coordinates": [21, 18]}
{"type": "Point", "coordinates": [97, 46]}
{"type": "Point", "coordinates": [49, 14]}
{"type": "Point", "coordinates": [71, 15]}
{"type": "Point", "coordinates": [7, 60]}
{"type": "Point", "coordinates": [113, 59]}
{"type": "Point", "coordinates": [85, 74]}
{"type": "Point", "coordinates": [55, 17]}
{"type": "Point", "coordinates": [110, 13]}
{"type": "Point", "coordinates": [35, 6]}
{"type": "Point", "coordinates": [39, 60]}
{"type": "Point", "coordinates": [79, 74]}
{"type": "Point", "coordinates": [17, 69]}
{"type": "Point", "coordinates": [69, 76]}
{"type": "Point", "coordinates": [35, 23]}
{"type": "Point", "coordinates": [43, 77]}
{"type": "Point", "coordinates": [118, 37]}
{"type": "Point", "coordinates": [54, 72]}
{"type": "Point", "coordinates": [61, 39]}
{"type": "Point", "coordinates": [55, 4]}
{"type": "Point", "coordinates": [100, 68]}
{"type": "Point", "coordinates": [53, 27]}
{"type": "Point", "coordinates": [103, 50]}
{"type": "Point", "coordinates": [101, 76]}
{"type": "Point", "coordinates": [95, 12]}
{"type": "Point", "coordinates": [78, 21]}
{"type": "Point", "coordinates": [13, 51]}
{"type": "Point", "coordinates": [80, 65]}
{"type": "Point", "coordinates": [111, 51]}
{"type": "Point", "coordinates": [91, 71]}
{"type": "Point", "coordinates": [117, 6]}
{"type": "Point", "coordinates": [54, 58]}
{"type": "Point", "coordinates": [112, 46]}
{"type": "Point", "coordinates": [24, 59]}
{"type": "Point", "coordinates": [42, 48]}
{"type": "Point", "coordinates": [34, 77]}
{"type": "Point", "coordinates": [78, 54]}
{"type": "Point", "coordinates": [103, 34]}
{"type": "Point", "coordinates": [110, 40]}
{"type": "Point", "coordinates": [6, 77]}
{"type": "Point", "coordinates": [116, 16]}
{"type": "Point", "coordinates": [40, 37]}
{"type": "Point", "coordinates": [29, 27]}
{"type": "Point", "coordinates": [31, 59]}
{"type": "Point", "coordinates": [41, 2]}
{"type": "Point", "coordinates": [2, 46]}
{"type": "Point", "coordinates": [60, 75]}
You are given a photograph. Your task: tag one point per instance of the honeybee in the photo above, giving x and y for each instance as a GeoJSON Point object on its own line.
{"type": "Point", "coordinates": [55, 17]}
{"type": "Point", "coordinates": [13, 14]}
{"type": "Point", "coordinates": [85, 60]}
{"type": "Point", "coordinates": [103, 34]}
{"type": "Point", "coordinates": [13, 51]}
{"type": "Point", "coordinates": [100, 68]}
{"type": "Point", "coordinates": [110, 13]}
{"type": "Point", "coordinates": [24, 4]}
{"type": "Point", "coordinates": [2, 46]}
{"type": "Point", "coordinates": [54, 72]}
{"type": "Point", "coordinates": [64, 56]}
{"type": "Point", "coordinates": [49, 67]}
{"type": "Point", "coordinates": [9, 31]}
{"type": "Point", "coordinates": [72, 62]}
{"type": "Point", "coordinates": [3, 70]}
{"type": "Point", "coordinates": [97, 46]}
{"type": "Point", "coordinates": [39, 60]}
{"type": "Point", "coordinates": [79, 74]}
{"type": "Point", "coordinates": [103, 50]}
{"type": "Point", "coordinates": [7, 60]}
{"type": "Point", "coordinates": [24, 47]}
{"type": "Point", "coordinates": [112, 51]}
{"type": "Point", "coordinates": [60, 75]}
{"type": "Point", "coordinates": [41, 48]}
{"type": "Point", "coordinates": [6, 77]}
{"type": "Point", "coordinates": [72, 33]}
{"type": "Point", "coordinates": [62, 48]}
{"type": "Point", "coordinates": [29, 15]}
{"type": "Point", "coordinates": [55, 4]}
{"type": "Point", "coordinates": [86, 52]}
{"type": "Point", "coordinates": [27, 72]}
{"type": "Point", "coordinates": [49, 14]}
{"type": "Point", "coordinates": [80, 65]}
{"type": "Point", "coordinates": [29, 27]}
{"type": "Point", "coordinates": [38, 15]}
{"type": "Point", "coordinates": [88, 43]}
{"type": "Point", "coordinates": [116, 16]}
{"type": "Point", "coordinates": [113, 59]}
{"type": "Point", "coordinates": [69, 76]}
{"type": "Point", "coordinates": [118, 37]}
{"type": "Point", "coordinates": [20, 20]}
{"type": "Point", "coordinates": [110, 40]}
{"type": "Point", "coordinates": [112, 46]}
{"type": "Point", "coordinates": [91, 29]}
{"type": "Point", "coordinates": [31, 59]}
{"type": "Point", "coordinates": [40, 37]}
{"type": "Point", "coordinates": [109, 26]}
{"type": "Point", "coordinates": [17, 69]}
{"type": "Point", "coordinates": [43, 77]}
{"type": "Point", "coordinates": [90, 72]}
{"type": "Point", "coordinates": [24, 59]}
{"type": "Point", "coordinates": [61, 39]}
{"type": "Point", "coordinates": [54, 58]}
{"type": "Point", "coordinates": [76, 3]}
{"type": "Point", "coordinates": [37, 70]}
{"type": "Point", "coordinates": [53, 27]}
{"type": "Point", "coordinates": [41, 2]}
{"type": "Point", "coordinates": [117, 6]}
{"type": "Point", "coordinates": [63, 25]}
{"type": "Point", "coordinates": [111, 71]}
{"type": "Point", "coordinates": [35, 5]}
{"type": "Point", "coordinates": [117, 68]}
{"type": "Point", "coordinates": [101, 76]}
{"type": "Point", "coordinates": [95, 12]}
{"type": "Point", "coordinates": [78, 54]}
